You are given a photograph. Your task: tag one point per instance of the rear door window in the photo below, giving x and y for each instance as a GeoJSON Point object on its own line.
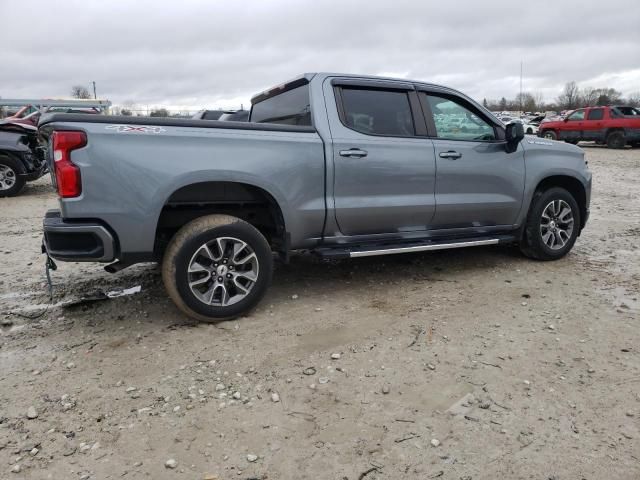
{"type": "Point", "coordinates": [291, 107]}
{"type": "Point", "coordinates": [377, 111]}
{"type": "Point", "coordinates": [595, 114]}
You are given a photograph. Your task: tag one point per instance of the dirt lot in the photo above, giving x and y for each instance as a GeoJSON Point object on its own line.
{"type": "Point", "coordinates": [468, 364]}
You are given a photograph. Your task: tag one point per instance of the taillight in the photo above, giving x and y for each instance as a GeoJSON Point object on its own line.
{"type": "Point", "coordinates": [67, 174]}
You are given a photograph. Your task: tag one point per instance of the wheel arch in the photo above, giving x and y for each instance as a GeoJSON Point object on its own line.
{"type": "Point", "coordinates": [573, 185]}
{"type": "Point", "coordinates": [252, 203]}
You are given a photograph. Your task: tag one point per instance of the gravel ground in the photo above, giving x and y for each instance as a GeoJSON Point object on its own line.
{"type": "Point", "coordinates": [464, 364]}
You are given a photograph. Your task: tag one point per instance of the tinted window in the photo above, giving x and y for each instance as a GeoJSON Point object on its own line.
{"type": "Point", "coordinates": [456, 122]}
{"type": "Point", "coordinates": [211, 115]}
{"type": "Point", "coordinates": [578, 115]}
{"type": "Point", "coordinates": [625, 110]}
{"type": "Point", "coordinates": [595, 114]}
{"type": "Point", "coordinates": [377, 112]}
{"type": "Point", "coordinates": [289, 108]}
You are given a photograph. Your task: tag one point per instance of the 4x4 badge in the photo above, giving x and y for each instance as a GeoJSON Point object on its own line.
{"type": "Point", "coordinates": [135, 128]}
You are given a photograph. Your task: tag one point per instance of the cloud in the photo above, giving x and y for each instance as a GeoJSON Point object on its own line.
{"type": "Point", "coordinates": [218, 53]}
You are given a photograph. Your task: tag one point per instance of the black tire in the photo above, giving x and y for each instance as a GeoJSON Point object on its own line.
{"type": "Point", "coordinates": [532, 243]}
{"type": "Point", "coordinates": [181, 252]}
{"type": "Point", "coordinates": [572, 142]}
{"type": "Point", "coordinates": [529, 131]}
{"type": "Point", "coordinates": [549, 134]}
{"type": "Point", "coordinates": [10, 166]}
{"type": "Point", "coordinates": [616, 140]}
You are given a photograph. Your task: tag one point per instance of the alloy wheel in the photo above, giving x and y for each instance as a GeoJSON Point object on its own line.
{"type": "Point", "coordinates": [7, 177]}
{"type": "Point", "coordinates": [556, 224]}
{"type": "Point", "coordinates": [223, 271]}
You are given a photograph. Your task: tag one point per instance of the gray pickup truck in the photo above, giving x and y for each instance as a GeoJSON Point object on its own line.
{"type": "Point", "coordinates": [340, 165]}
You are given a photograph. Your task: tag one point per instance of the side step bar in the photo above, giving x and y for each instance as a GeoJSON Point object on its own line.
{"type": "Point", "coordinates": [409, 247]}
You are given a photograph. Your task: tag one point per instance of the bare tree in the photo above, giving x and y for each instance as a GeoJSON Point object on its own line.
{"type": "Point", "coordinates": [78, 91]}
{"type": "Point", "coordinates": [607, 96]}
{"type": "Point", "coordinates": [160, 112]}
{"type": "Point", "coordinates": [570, 97]}
{"type": "Point", "coordinates": [634, 99]}
{"type": "Point", "coordinates": [589, 96]}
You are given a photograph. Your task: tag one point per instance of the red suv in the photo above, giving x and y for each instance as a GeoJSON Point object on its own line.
{"type": "Point", "coordinates": [615, 126]}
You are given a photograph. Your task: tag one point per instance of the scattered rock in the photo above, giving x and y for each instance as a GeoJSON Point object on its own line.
{"type": "Point", "coordinates": [309, 371]}
{"type": "Point", "coordinates": [31, 413]}
{"type": "Point", "coordinates": [171, 463]}
{"type": "Point", "coordinates": [431, 366]}
{"type": "Point", "coordinates": [16, 469]}
{"type": "Point", "coordinates": [6, 322]}
{"type": "Point", "coordinates": [130, 389]}
{"type": "Point", "coordinates": [335, 356]}
{"type": "Point", "coordinates": [323, 380]}
{"type": "Point", "coordinates": [385, 389]}
{"type": "Point", "coordinates": [252, 458]}
{"type": "Point", "coordinates": [435, 442]}
{"type": "Point", "coordinates": [237, 396]}
{"type": "Point", "coordinates": [275, 397]}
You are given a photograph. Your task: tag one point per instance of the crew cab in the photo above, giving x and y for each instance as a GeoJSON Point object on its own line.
{"type": "Point", "coordinates": [615, 126]}
{"type": "Point", "coordinates": [343, 166]}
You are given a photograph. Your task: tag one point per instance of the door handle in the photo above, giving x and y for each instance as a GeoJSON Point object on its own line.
{"type": "Point", "coordinates": [353, 153]}
{"type": "Point", "coordinates": [450, 154]}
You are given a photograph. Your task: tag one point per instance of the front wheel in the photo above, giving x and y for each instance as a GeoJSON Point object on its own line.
{"type": "Point", "coordinates": [553, 224]}
{"type": "Point", "coordinates": [11, 182]}
{"type": "Point", "coordinates": [217, 267]}
{"type": "Point", "coordinates": [549, 135]}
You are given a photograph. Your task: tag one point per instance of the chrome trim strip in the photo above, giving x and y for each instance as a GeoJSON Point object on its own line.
{"type": "Point", "coordinates": [422, 248]}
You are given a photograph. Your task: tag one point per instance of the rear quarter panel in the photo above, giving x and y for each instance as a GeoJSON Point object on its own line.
{"type": "Point", "coordinates": [127, 177]}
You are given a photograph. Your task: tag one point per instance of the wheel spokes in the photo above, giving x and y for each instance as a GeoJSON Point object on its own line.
{"type": "Point", "coordinates": [223, 271]}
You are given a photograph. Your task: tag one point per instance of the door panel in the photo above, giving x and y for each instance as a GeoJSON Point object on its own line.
{"type": "Point", "coordinates": [573, 126]}
{"type": "Point", "coordinates": [483, 187]}
{"type": "Point", "coordinates": [593, 128]}
{"type": "Point", "coordinates": [390, 190]}
{"type": "Point", "coordinates": [478, 184]}
{"type": "Point", "coordinates": [387, 184]}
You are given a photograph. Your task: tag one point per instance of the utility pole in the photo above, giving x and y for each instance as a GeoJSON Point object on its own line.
{"type": "Point", "coordinates": [94, 89]}
{"type": "Point", "coordinates": [521, 112]}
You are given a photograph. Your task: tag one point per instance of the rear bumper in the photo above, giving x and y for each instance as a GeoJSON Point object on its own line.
{"type": "Point", "coordinates": [77, 241]}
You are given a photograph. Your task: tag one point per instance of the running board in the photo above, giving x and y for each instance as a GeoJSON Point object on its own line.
{"type": "Point", "coordinates": [409, 247]}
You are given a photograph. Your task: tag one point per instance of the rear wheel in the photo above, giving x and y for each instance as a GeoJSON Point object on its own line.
{"type": "Point", "coordinates": [550, 135]}
{"type": "Point", "coordinates": [553, 224]}
{"type": "Point", "coordinates": [11, 183]}
{"type": "Point", "coordinates": [217, 267]}
{"type": "Point", "coordinates": [616, 140]}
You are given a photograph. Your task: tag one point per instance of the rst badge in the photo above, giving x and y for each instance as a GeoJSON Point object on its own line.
{"type": "Point", "coordinates": [135, 128]}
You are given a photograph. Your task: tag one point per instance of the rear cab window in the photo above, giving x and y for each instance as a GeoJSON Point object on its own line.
{"type": "Point", "coordinates": [377, 111]}
{"type": "Point", "coordinates": [288, 104]}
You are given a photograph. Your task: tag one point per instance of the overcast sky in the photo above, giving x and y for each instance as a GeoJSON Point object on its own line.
{"type": "Point", "coordinates": [210, 53]}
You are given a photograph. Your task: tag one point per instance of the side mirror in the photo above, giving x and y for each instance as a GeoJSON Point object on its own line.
{"type": "Point", "coordinates": [513, 134]}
